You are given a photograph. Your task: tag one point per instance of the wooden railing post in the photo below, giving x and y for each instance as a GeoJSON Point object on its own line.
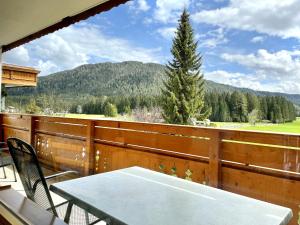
{"type": "Point", "coordinates": [214, 160]}
{"type": "Point", "coordinates": [31, 130]}
{"type": "Point", "coordinates": [1, 128]}
{"type": "Point", "coordinates": [90, 148]}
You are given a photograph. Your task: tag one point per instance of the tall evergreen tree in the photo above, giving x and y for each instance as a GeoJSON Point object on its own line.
{"type": "Point", "coordinates": [183, 92]}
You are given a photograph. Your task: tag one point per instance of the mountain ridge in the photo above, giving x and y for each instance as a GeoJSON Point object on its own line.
{"type": "Point", "coordinates": [123, 78]}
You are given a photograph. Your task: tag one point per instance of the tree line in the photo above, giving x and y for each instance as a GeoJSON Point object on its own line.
{"type": "Point", "coordinates": [239, 107]}
{"type": "Point", "coordinates": [122, 104]}
{"type": "Point", "coordinates": [223, 107]}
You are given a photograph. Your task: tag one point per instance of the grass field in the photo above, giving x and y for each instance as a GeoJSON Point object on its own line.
{"type": "Point", "coordinates": [293, 127]}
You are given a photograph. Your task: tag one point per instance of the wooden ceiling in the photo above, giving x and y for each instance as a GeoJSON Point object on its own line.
{"type": "Point", "coordinates": [23, 21]}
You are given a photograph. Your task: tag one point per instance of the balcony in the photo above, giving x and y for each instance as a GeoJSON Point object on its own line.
{"type": "Point", "coordinates": [260, 165]}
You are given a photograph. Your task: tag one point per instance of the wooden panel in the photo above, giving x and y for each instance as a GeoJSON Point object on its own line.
{"type": "Point", "coordinates": [112, 158]}
{"type": "Point", "coordinates": [186, 145]}
{"type": "Point", "coordinates": [16, 120]}
{"type": "Point", "coordinates": [10, 132]}
{"type": "Point", "coordinates": [159, 128]}
{"type": "Point", "coordinates": [291, 140]}
{"type": "Point", "coordinates": [62, 153]}
{"type": "Point", "coordinates": [267, 188]}
{"type": "Point", "coordinates": [61, 128]}
{"type": "Point", "coordinates": [54, 119]}
{"type": "Point", "coordinates": [265, 156]}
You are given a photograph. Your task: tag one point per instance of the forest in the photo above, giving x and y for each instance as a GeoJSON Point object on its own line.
{"type": "Point", "coordinates": [224, 107]}
{"type": "Point", "coordinates": [133, 85]}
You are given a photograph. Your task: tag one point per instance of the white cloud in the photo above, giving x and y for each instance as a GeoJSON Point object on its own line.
{"type": "Point", "coordinates": [257, 39]}
{"type": "Point", "coordinates": [17, 56]}
{"type": "Point", "coordinates": [142, 5]}
{"type": "Point", "coordinates": [212, 38]}
{"type": "Point", "coordinates": [138, 6]}
{"type": "Point", "coordinates": [235, 79]}
{"type": "Point", "coordinates": [167, 32]}
{"type": "Point", "coordinates": [168, 11]}
{"type": "Point", "coordinates": [278, 71]}
{"type": "Point", "coordinates": [77, 45]}
{"type": "Point", "coordinates": [273, 17]}
{"type": "Point", "coordinates": [279, 64]}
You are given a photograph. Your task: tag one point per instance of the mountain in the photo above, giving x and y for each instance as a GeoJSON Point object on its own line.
{"type": "Point", "coordinates": [125, 78]}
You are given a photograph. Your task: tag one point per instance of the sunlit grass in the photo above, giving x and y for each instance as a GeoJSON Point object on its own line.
{"type": "Point", "coordinates": [291, 127]}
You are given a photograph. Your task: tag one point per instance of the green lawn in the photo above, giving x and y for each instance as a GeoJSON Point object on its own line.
{"type": "Point", "coordinates": [293, 127]}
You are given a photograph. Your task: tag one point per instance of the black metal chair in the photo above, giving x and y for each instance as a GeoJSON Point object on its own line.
{"type": "Point", "coordinates": [6, 160]}
{"type": "Point", "coordinates": [35, 186]}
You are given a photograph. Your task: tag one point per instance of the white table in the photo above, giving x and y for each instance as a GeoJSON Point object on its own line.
{"type": "Point", "coordinates": [138, 196]}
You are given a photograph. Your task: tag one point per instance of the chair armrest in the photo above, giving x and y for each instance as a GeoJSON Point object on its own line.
{"type": "Point", "coordinates": [60, 174]}
{"type": "Point", "coordinates": [51, 177]}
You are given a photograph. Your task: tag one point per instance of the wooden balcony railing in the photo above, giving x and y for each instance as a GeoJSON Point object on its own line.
{"type": "Point", "coordinates": [261, 165]}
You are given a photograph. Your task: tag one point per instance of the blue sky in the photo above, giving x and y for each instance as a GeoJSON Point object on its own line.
{"type": "Point", "coordinates": [253, 44]}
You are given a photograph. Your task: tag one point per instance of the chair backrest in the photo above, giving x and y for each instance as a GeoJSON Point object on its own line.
{"type": "Point", "coordinates": [30, 172]}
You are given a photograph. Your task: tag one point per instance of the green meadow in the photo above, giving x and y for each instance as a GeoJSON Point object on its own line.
{"type": "Point", "coordinates": [291, 127]}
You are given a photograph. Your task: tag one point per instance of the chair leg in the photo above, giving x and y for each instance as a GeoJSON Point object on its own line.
{"type": "Point", "coordinates": [87, 221]}
{"type": "Point", "coordinates": [68, 213]}
{"type": "Point", "coordinates": [4, 172]}
{"type": "Point", "coordinates": [14, 170]}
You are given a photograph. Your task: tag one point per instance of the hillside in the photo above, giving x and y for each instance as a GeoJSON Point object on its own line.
{"type": "Point", "coordinates": [125, 78]}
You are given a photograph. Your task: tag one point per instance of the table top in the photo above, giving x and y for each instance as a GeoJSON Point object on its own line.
{"type": "Point", "coordinates": [137, 196]}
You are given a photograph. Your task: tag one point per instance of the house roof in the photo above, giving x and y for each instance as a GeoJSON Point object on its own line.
{"type": "Point", "coordinates": [23, 21]}
{"type": "Point", "coordinates": [13, 75]}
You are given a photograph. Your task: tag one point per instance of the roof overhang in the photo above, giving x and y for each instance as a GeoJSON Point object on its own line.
{"type": "Point", "coordinates": [23, 21]}
{"type": "Point", "coordinates": [13, 75]}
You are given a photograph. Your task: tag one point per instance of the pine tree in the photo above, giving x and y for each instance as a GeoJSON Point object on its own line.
{"type": "Point", "coordinates": [183, 92]}
{"type": "Point", "coordinates": [238, 107]}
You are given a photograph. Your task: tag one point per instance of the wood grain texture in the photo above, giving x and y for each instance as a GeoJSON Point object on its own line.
{"type": "Point", "coordinates": [262, 165]}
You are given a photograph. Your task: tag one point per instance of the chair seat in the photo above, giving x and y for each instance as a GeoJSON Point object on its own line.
{"type": "Point", "coordinates": [6, 161]}
{"type": "Point", "coordinates": [78, 215]}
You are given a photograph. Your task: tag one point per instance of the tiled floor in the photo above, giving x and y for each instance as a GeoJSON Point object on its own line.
{"type": "Point", "coordinates": [19, 187]}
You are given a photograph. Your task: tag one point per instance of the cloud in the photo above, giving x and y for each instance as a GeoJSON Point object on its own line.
{"type": "Point", "coordinates": [138, 6]}
{"type": "Point", "coordinates": [142, 5]}
{"type": "Point", "coordinates": [235, 79]}
{"type": "Point", "coordinates": [252, 81]}
{"type": "Point", "coordinates": [212, 38]}
{"type": "Point", "coordinates": [272, 17]}
{"type": "Point", "coordinates": [168, 11]}
{"type": "Point", "coordinates": [19, 56]}
{"type": "Point", "coordinates": [257, 39]}
{"type": "Point", "coordinates": [77, 45]}
{"type": "Point", "coordinates": [167, 32]}
{"type": "Point", "coordinates": [278, 71]}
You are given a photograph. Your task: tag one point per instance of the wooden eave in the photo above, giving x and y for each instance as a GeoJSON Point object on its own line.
{"type": "Point", "coordinates": [64, 23]}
